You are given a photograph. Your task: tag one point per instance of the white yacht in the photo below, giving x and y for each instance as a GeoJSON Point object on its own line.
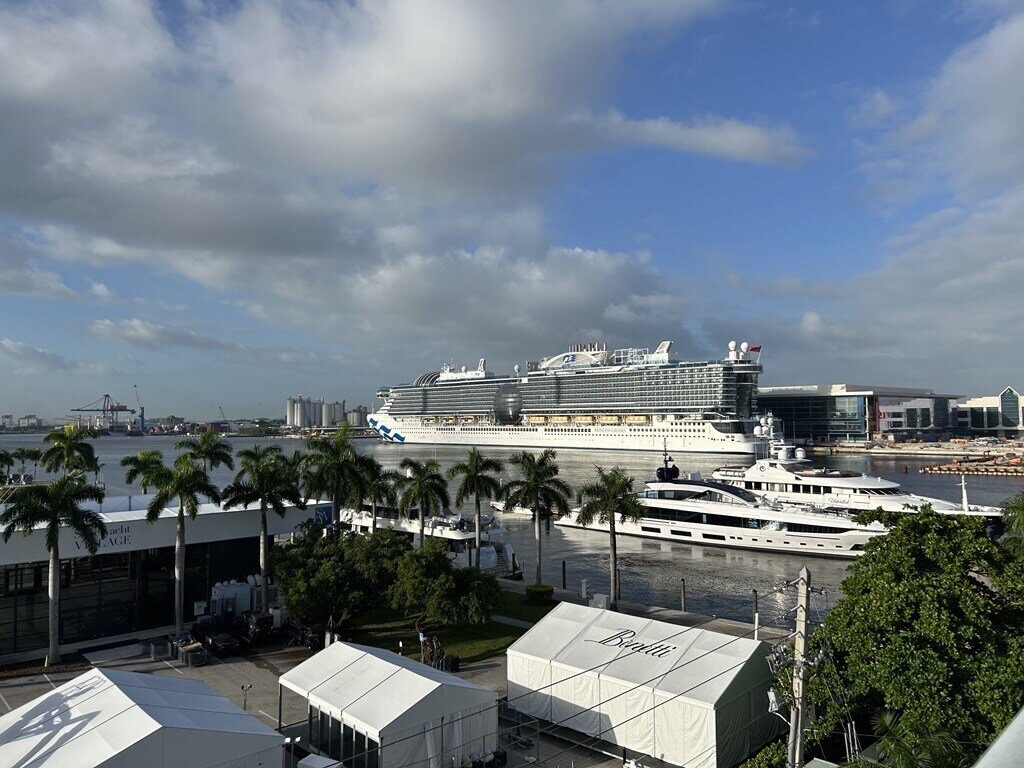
{"type": "Point", "coordinates": [786, 475]}
{"type": "Point", "coordinates": [457, 531]}
{"type": "Point", "coordinates": [697, 511]}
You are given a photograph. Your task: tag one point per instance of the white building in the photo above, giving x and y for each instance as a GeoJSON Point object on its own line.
{"type": "Point", "coordinates": [115, 719]}
{"type": "Point", "coordinates": [999, 415]}
{"type": "Point", "coordinates": [375, 709]}
{"type": "Point", "coordinates": [7, 421]}
{"type": "Point", "coordinates": [687, 696]}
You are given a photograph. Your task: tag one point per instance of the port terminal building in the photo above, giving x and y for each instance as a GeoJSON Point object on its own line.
{"type": "Point", "coordinates": [126, 589]}
{"type": "Point", "coordinates": [999, 415]}
{"type": "Point", "coordinates": [826, 413]}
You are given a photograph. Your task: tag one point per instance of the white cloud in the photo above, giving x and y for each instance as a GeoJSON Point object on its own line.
{"type": "Point", "coordinates": [148, 335]}
{"type": "Point", "coordinates": [102, 293]}
{"type": "Point", "coordinates": [21, 276]}
{"type": "Point", "coordinates": [25, 360]}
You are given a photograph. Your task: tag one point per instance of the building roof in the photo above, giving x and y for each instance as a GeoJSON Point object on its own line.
{"type": "Point", "coordinates": [697, 665]}
{"type": "Point", "coordinates": [112, 718]}
{"type": "Point", "coordinates": [842, 390]}
{"type": "Point", "coordinates": [379, 692]}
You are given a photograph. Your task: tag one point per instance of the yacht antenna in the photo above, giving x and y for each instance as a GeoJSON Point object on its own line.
{"type": "Point", "coordinates": [665, 458]}
{"type": "Point", "coordinates": [963, 490]}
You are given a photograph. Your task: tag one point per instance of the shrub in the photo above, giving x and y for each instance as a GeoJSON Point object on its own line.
{"type": "Point", "coordinates": [539, 594]}
{"type": "Point", "coordinates": [771, 756]}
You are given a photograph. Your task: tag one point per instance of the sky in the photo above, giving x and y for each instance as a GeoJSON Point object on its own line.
{"type": "Point", "coordinates": [229, 203]}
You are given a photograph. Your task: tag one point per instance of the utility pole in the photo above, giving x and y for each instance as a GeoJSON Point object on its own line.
{"type": "Point", "coordinates": [795, 755]}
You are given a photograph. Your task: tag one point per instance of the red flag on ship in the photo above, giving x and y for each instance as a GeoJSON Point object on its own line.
{"type": "Point", "coordinates": [756, 349]}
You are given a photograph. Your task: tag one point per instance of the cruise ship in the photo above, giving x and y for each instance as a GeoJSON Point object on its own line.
{"type": "Point", "coordinates": [588, 397]}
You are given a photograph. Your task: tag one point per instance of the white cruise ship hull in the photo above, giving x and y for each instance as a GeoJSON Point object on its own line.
{"type": "Point", "coordinates": [848, 544]}
{"type": "Point", "coordinates": [692, 437]}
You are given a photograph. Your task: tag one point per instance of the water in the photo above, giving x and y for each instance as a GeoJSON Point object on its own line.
{"type": "Point", "coordinates": [718, 581]}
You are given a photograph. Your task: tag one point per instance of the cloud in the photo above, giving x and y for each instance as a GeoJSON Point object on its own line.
{"type": "Point", "coordinates": [724, 138]}
{"type": "Point", "coordinates": [147, 335]}
{"type": "Point", "coordinates": [102, 292]}
{"type": "Point", "coordinates": [21, 276]}
{"type": "Point", "coordinates": [143, 334]}
{"type": "Point", "coordinates": [25, 360]}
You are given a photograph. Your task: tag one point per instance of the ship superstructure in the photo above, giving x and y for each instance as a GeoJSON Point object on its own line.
{"type": "Point", "coordinates": [587, 397]}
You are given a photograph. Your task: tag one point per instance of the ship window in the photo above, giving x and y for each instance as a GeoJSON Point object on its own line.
{"type": "Point", "coordinates": [650, 529]}
{"type": "Point", "coordinates": [681, 533]}
{"type": "Point", "coordinates": [713, 536]}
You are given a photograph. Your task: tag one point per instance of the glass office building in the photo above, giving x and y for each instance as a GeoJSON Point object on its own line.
{"type": "Point", "coordinates": [999, 415]}
{"type": "Point", "coordinates": [127, 587]}
{"type": "Point", "coordinates": [826, 413]}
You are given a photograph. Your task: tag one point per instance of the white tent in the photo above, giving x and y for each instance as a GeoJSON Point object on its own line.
{"type": "Point", "coordinates": [685, 695]}
{"type": "Point", "coordinates": [376, 709]}
{"type": "Point", "coordinates": [118, 719]}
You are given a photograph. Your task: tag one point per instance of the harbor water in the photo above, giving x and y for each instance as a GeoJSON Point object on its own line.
{"type": "Point", "coordinates": [718, 581]}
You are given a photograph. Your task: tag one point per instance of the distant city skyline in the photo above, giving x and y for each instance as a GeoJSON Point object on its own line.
{"type": "Point", "coordinates": [228, 205]}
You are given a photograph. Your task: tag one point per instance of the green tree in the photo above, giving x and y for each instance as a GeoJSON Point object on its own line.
{"type": "Point", "coordinates": [318, 580]}
{"type": "Point", "coordinates": [208, 449]}
{"type": "Point", "coordinates": [538, 489]}
{"type": "Point", "coordinates": [479, 481]}
{"type": "Point", "coordinates": [22, 456]}
{"type": "Point", "coordinates": [70, 450]}
{"type": "Point", "coordinates": [1013, 519]}
{"type": "Point", "coordinates": [379, 486]}
{"type": "Point", "coordinates": [901, 746]}
{"type": "Point", "coordinates": [145, 466]}
{"type": "Point", "coordinates": [929, 626]}
{"type": "Point", "coordinates": [424, 488]}
{"type": "Point", "coordinates": [332, 470]}
{"type": "Point", "coordinates": [51, 507]}
{"type": "Point", "coordinates": [35, 456]}
{"type": "Point", "coordinates": [609, 498]}
{"type": "Point", "coordinates": [376, 557]}
{"type": "Point", "coordinates": [266, 478]}
{"type": "Point", "coordinates": [429, 583]}
{"type": "Point", "coordinates": [187, 483]}
{"type": "Point", "coordinates": [6, 462]}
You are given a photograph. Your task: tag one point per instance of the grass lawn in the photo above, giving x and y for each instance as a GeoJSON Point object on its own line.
{"type": "Point", "coordinates": [385, 627]}
{"type": "Point", "coordinates": [512, 605]}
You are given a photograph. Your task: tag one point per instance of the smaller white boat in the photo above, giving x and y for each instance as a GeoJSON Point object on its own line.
{"type": "Point", "coordinates": [784, 474]}
{"type": "Point", "coordinates": [457, 531]}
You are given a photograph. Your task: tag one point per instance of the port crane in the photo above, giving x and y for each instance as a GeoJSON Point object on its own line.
{"type": "Point", "coordinates": [142, 409]}
{"type": "Point", "coordinates": [108, 407]}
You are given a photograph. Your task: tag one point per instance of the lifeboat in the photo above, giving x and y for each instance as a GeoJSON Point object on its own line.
{"type": "Point", "coordinates": [584, 419]}
{"type": "Point", "coordinates": [609, 419]}
{"type": "Point", "coordinates": [559, 419]}
{"type": "Point", "coordinates": [536, 419]}
{"type": "Point", "coordinates": [638, 419]}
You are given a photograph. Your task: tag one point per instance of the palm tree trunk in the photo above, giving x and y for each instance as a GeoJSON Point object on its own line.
{"type": "Point", "coordinates": [373, 516]}
{"type": "Point", "coordinates": [536, 537]}
{"type": "Point", "coordinates": [264, 589]}
{"type": "Point", "coordinates": [54, 618]}
{"type": "Point", "coordinates": [423, 525]}
{"type": "Point", "coordinates": [335, 508]}
{"type": "Point", "coordinates": [614, 562]}
{"type": "Point", "coordinates": [179, 572]}
{"type": "Point", "coordinates": [478, 535]}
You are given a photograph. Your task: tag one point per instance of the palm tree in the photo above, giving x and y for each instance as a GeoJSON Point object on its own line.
{"type": "Point", "coordinates": [424, 487]}
{"type": "Point", "coordinates": [539, 488]}
{"type": "Point", "coordinates": [378, 487]}
{"type": "Point", "coordinates": [610, 497]}
{"type": "Point", "coordinates": [901, 745]}
{"type": "Point", "coordinates": [186, 481]}
{"type": "Point", "coordinates": [70, 450]}
{"type": "Point", "coordinates": [208, 449]}
{"type": "Point", "coordinates": [35, 456]}
{"type": "Point", "coordinates": [6, 462]}
{"type": "Point", "coordinates": [51, 507]}
{"type": "Point", "coordinates": [332, 470]}
{"type": "Point", "coordinates": [266, 478]}
{"type": "Point", "coordinates": [20, 455]}
{"type": "Point", "coordinates": [145, 466]}
{"type": "Point", "coordinates": [478, 482]}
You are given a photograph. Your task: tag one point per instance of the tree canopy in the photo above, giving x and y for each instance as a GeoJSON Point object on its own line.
{"type": "Point", "coordinates": [929, 627]}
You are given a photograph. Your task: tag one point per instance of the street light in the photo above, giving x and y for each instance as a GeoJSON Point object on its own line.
{"type": "Point", "coordinates": [245, 697]}
{"type": "Point", "coordinates": [289, 749]}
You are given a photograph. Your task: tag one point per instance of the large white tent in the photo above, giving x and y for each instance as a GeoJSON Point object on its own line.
{"type": "Point", "coordinates": [376, 709]}
{"type": "Point", "coordinates": [685, 695]}
{"type": "Point", "coordinates": [115, 719]}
